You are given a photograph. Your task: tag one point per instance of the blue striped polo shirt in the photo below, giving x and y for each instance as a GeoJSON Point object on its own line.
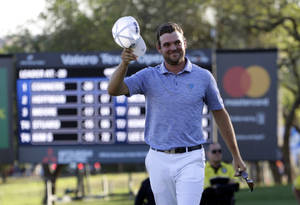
{"type": "Point", "coordinates": [174, 103]}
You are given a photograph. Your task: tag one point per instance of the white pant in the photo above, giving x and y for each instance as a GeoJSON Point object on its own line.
{"type": "Point", "coordinates": [176, 179]}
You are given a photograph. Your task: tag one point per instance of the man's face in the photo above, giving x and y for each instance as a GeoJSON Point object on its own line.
{"type": "Point", "coordinates": [215, 153]}
{"type": "Point", "coordinates": [172, 47]}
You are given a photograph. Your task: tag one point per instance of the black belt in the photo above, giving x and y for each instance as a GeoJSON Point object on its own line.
{"type": "Point", "coordinates": [179, 149]}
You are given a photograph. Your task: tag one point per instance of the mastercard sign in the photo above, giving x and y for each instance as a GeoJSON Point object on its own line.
{"type": "Point", "coordinates": [253, 81]}
{"type": "Point", "coordinates": [247, 81]}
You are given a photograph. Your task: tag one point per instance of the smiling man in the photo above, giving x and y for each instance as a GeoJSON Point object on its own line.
{"type": "Point", "coordinates": [175, 92]}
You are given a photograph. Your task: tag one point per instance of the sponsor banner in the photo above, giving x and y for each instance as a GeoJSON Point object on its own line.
{"type": "Point", "coordinates": [102, 59]}
{"type": "Point", "coordinates": [247, 80]}
{"type": "Point", "coordinates": [80, 154]}
{"type": "Point", "coordinates": [6, 90]}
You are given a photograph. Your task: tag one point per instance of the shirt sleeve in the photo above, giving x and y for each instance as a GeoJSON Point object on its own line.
{"type": "Point", "coordinates": [213, 98]}
{"type": "Point", "coordinates": [135, 83]}
{"type": "Point", "coordinates": [208, 174]}
{"type": "Point", "coordinates": [231, 171]}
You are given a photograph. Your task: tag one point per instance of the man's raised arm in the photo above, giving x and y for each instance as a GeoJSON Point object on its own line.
{"type": "Point", "coordinates": [116, 85]}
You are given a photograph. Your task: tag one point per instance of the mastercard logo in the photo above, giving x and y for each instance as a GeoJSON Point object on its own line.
{"type": "Point", "coordinates": [253, 81]}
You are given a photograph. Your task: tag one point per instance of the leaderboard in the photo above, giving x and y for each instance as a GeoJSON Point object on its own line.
{"type": "Point", "coordinates": [77, 111]}
{"type": "Point", "coordinates": [65, 113]}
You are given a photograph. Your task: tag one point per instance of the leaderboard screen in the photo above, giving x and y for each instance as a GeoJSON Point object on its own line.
{"type": "Point", "coordinates": [66, 115]}
{"type": "Point", "coordinates": [77, 111]}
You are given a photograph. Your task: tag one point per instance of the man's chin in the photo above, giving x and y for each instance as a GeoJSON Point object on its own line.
{"type": "Point", "coordinates": [175, 61]}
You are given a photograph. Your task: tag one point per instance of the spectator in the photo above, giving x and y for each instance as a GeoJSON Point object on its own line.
{"type": "Point", "coordinates": [219, 182]}
{"type": "Point", "coordinates": [145, 194]}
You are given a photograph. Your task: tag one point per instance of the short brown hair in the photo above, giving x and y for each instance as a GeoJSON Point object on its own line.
{"type": "Point", "coordinates": [169, 27]}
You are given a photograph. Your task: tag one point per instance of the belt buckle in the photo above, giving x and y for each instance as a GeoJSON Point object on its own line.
{"type": "Point", "coordinates": [171, 151]}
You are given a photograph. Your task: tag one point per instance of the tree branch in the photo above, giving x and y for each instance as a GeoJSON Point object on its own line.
{"type": "Point", "coordinates": [296, 125]}
{"type": "Point", "coordinates": [290, 88]}
{"type": "Point", "coordinates": [294, 32]}
{"type": "Point", "coordinates": [268, 25]}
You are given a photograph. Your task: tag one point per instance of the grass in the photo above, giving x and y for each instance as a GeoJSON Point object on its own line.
{"type": "Point", "coordinates": [30, 190]}
{"type": "Point", "coordinates": [276, 195]}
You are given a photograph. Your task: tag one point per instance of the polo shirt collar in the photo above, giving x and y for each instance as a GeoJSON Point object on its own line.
{"type": "Point", "coordinates": [187, 68]}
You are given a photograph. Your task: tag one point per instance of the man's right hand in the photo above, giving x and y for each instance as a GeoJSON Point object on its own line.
{"type": "Point", "coordinates": [127, 56]}
{"type": "Point", "coordinates": [116, 85]}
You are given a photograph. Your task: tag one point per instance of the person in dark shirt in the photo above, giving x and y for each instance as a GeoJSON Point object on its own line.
{"type": "Point", "coordinates": [145, 194]}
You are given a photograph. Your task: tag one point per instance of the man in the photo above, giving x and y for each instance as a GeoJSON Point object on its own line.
{"type": "Point", "coordinates": [219, 182]}
{"type": "Point", "coordinates": [175, 92]}
{"type": "Point", "coordinates": [296, 189]}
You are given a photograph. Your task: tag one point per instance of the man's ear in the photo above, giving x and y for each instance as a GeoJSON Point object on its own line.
{"type": "Point", "coordinates": [185, 43]}
{"type": "Point", "coordinates": [158, 47]}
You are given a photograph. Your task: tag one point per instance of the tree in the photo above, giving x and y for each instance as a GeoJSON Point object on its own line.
{"type": "Point", "coordinates": [86, 25]}
{"type": "Point", "coordinates": [284, 19]}
{"type": "Point", "coordinates": [264, 24]}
